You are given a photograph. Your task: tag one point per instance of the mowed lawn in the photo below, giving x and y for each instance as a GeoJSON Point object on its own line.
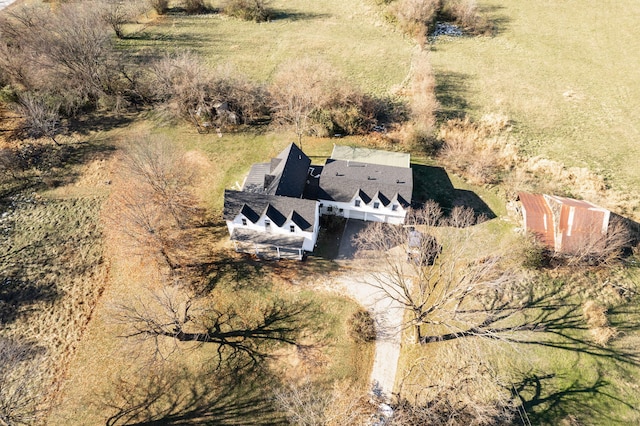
{"type": "Point", "coordinates": [565, 72]}
{"type": "Point", "coordinates": [352, 36]}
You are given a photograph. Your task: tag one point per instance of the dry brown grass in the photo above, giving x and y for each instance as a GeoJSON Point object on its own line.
{"type": "Point", "coordinates": [415, 17]}
{"type": "Point", "coordinates": [422, 91]}
{"type": "Point", "coordinates": [479, 151]}
{"type": "Point", "coordinates": [462, 387]}
{"type": "Point", "coordinates": [56, 274]}
{"type": "Point", "coordinates": [596, 316]}
{"type": "Point", "coordinates": [485, 152]}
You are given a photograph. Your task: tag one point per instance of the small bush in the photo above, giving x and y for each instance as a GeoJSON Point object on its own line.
{"type": "Point", "coordinates": [465, 14]}
{"type": "Point", "coordinates": [362, 328]}
{"type": "Point", "coordinates": [160, 6]}
{"type": "Point", "coordinates": [534, 255]}
{"type": "Point", "coordinates": [193, 7]}
{"type": "Point", "coordinates": [596, 317]}
{"type": "Point", "coordinates": [249, 10]}
{"type": "Point", "coordinates": [415, 17]}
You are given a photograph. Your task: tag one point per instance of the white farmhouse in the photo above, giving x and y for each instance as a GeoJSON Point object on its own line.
{"type": "Point", "coordinates": [277, 212]}
{"type": "Point", "coordinates": [269, 216]}
{"type": "Point", "coordinates": [366, 184]}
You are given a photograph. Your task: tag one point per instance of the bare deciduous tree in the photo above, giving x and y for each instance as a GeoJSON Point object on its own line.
{"type": "Point", "coordinates": [307, 404]}
{"type": "Point", "coordinates": [298, 89]}
{"type": "Point", "coordinates": [40, 119]}
{"type": "Point", "coordinates": [117, 13]}
{"type": "Point", "coordinates": [19, 386]}
{"type": "Point", "coordinates": [159, 170]}
{"type": "Point", "coordinates": [441, 282]}
{"type": "Point", "coordinates": [65, 54]}
{"type": "Point", "coordinates": [154, 203]}
{"type": "Point", "coordinates": [600, 249]}
{"type": "Point", "coordinates": [464, 389]}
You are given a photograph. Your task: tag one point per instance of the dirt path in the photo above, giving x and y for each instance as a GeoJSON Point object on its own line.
{"type": "Point", "coordinates": [388, 317]}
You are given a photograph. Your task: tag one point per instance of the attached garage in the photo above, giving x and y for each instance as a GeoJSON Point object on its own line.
{"type": "Point", "coordinates": [355, 214]}
{"type": "Point", "coordinates": [377, 217]}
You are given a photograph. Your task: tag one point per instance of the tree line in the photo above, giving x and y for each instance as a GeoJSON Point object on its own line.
{"type": "Point", "coordinates": [63, 63]}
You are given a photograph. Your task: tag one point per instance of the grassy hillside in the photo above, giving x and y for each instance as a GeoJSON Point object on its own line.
{"type": "Point", "coordinates": [350, 35]}
{"type": "Point", "coordinates": [564, 72]}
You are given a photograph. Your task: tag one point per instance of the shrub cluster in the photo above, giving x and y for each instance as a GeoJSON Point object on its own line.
{"type": "Point", "coordinates": [249, 10]}
{"type": "Point", "coordinates": [477, 150]}
{"type": "Point", "coordinates": [362, 327]}
{"type": "Point", "coordinates": [187, 89]}
{"type": "Point", "coordinates": [55, 65]}
{"type": "Point", "coordinates": [418, 17]}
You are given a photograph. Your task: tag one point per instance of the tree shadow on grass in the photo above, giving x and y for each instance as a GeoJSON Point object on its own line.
{"type": "Point", "coordinates": [294, 15]}
{"type": "Point", "coordinates": [498, 22]}
{"type": "Point", "coordinates": [170, 396]}
{"type": "Point", "coordinates": [549, 399]}
{"type": "Point", "coordinates": [452, 92]}
{"type": "Point", "coordinates": [182, 39]}
{"type": "Point", "coordinates": [549, 317]}
{"type": "Point", "coordinates": [17, 295]}
{"type": "Point", "coordinates": [40, 166]}
{"type": "Point", "coordinates": [433, 183]}
{"type": "Point", "coordinates": [90, 123]}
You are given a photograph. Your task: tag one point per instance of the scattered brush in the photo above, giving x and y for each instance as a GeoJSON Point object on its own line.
{"type": "Point", "coordinates": [596, 316]}
{"type": "Point", "coordinates": [479, 151]}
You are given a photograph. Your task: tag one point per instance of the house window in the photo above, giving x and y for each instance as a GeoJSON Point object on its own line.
{"type": "Point", "coordinates": [320, 205]}
{"type": "Point", "coordinates": [267, 225]}
{"type": "Point", "coordinates": [292, 228]}
{"type": "Point", "coordinates": [357, 203]}
{"type": "Point", "coordinates": [341, 210]}
{"type": "Point", "coordinates": [376, 205]}
{"type": "Point", "coordinates": [244, 222]}
{"type": "Point", "coordinates": [394, 207]}
{"type": "Point", "coordinates": [329, 209]}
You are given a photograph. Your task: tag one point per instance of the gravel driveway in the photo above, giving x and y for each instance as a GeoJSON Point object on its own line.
{"type": "Point", "coordinates": [387, 313]}
{"type": "Point", "coordinates": [388, 317]}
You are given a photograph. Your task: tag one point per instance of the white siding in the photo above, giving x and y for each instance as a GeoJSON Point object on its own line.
{"type": "Point", "coordinates": [310, 237]}
{"type": "Point", "coordinates": [365, 211]}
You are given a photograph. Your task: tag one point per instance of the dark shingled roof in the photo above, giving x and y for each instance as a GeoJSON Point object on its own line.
{"type": "Point", "coordinates": [278, 208]}
{"type": "Point", "coordinates": [341, 180]}
{"type": "Point", "coordinates": [284, 175]}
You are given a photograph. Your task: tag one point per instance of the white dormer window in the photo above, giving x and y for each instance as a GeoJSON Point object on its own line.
{"type": "Point", "coordinates": [244, 222]}
{"type": "Point", "coordinates": [376, 205]}
{"type": "Point", "coordinates": [292, 228]}
{"type": "Point", "coordinates": [357, 203]}
{"type": "Point", "coordinates": [394, 208]}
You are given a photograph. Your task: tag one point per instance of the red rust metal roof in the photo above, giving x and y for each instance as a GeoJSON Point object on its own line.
{"type": "Point", "coordinates": [577, 223]}
{"type": "Point", "coordinates": [538, 217]}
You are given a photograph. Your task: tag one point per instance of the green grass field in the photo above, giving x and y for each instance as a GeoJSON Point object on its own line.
{"type": "Point", "coordinates": [352, 36]}
{"type": "Point", "coordinates": [566, 74]}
